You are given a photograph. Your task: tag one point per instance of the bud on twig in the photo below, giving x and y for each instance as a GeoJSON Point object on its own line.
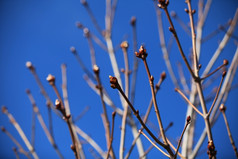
{"type": "Point", "coordinates": [51, 79]}
{"type": "Point", "coordinates": [142, 52]}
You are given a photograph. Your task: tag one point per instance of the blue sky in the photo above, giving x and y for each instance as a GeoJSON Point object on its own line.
{"type": "Point", "coordinates": [43, 31]}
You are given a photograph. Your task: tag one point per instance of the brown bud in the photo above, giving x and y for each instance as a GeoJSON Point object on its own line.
{"type": "Point", "coordinates": [199, 66]}
{"type": "Point", "coordinates": [57, 104]}
{"type": "Point", "coordinates": [176, 89]}
{"type": "Point", "coordinates": [51, 79]}
{"type": "Point", "coordinates": [84, 2]}
{"type": "Point", "coordinates": [124, 44]}
{"type": "Point", "coordinates": [151, 78]}
{"type": "Point", "coordinates": [113, 114]}
{"type": "Point", "coordinates": [186, 10]}
{"type": "Point", "coordinates": [142, 52]}
{"type": "Point", "coordinates": [79, 25]}
{"type": "Point", "coordinates": [188, 119]}
{"type": "Point", "coordinates": [86, 32]}
{"type": "Point", "coordinates": [163, 75]}
{"type": "Point", "coordinates": [28, 91]}
{"type": "Point", "coordinates": [3, 129]}
{"type": "Point", "coordinates": [73, 148]}
{"type": "Point", "coordinates": [4, 109]}
{"type": "Point", "coordinates": [224, 74]}
{"type": "Point", "coordinates": [193, 11]}
{"type": "Point", "coordinates": [73, 50]}
{"type": "Point", "coordinates": [95, 69]}
{"type": "Point", "coordinates": [211, 146]}
{"type": "Point", "coordinates": [171, 30]}
{"type": "Point", "coordinates": [114, 82]}
{"type": "Point", "coordinates": [222, 108]}
{"type": "Point", "coordinates": [30, 66]}
{"type": "Point", "coordinates": [133, 21]}
{"type": "Point", "coordinates": [225, 62]}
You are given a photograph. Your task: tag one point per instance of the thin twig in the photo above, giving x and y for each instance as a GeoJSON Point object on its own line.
{"type": "Point", "coordinates": [191, 104]}
{"type": "Point", "coordinates": [43, 125]}
{"type": "Point", "coordinates": [124, 46]}
{"type": "Point", "coordinates": [111, 136]}
{"type": "Point", "coordinates": [105, 116]}
{"type": "Point", "coordinates": [21, 150]}
{"type": "Point", "coordinates": [223, 109]}
{"type": "Point", "coordinates": [163, 46]}
{"type": "Point", "coordinates": [90, 141]}
{"type": "Point", "coordinates": [154, 144]}
{"type": "Point", "coordinates": [115, 84]}
{"type": "Point", "coordinates": [20, 132]}
{"type": "Point", "coordinates": [157, 87]}
{"type": "Point", "coordinates": [218, 91]}
{"type": "Point", "coordinates": [92, 17]}
{"type": "Point", "coordinates": [181, 137]}
{"type": "Point", "coordinates": [76, 147]}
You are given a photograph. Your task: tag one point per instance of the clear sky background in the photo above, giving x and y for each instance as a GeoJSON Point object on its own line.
{"type": "Point", "coordinates": [43, 31]}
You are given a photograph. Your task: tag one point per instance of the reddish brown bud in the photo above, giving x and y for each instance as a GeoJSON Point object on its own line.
{"type": "Point", "coordinates": [51, 79]}
{"type": "Point", "coordinates": [73, 148]}
{"type": "Point", "coordinates": [225, 62]}
{"type": "Point", "coordinates": [224, 74]}
{"type": "Point", "coordinates": [163, 4]}
{"type": "Point", "coordinates": [186, 10]}
{"type": "Point", "coordinates": [133, 21]}
{"type": "Point", "coordinates": [57, 104]}
{"type": "Point", "coordinates": [163, 75]}
{"type": "Point", "coordinates": [28, 91]}
{"type": "Point", "coordinates": [188, 119]}
{"type": "Point", "coordinates": [30, 66]}
{"type": "Point", "coordinates": [171, 30]}
{"type": "Point", "coordinates": [73, 50]}
{"type": "Point", "coordinates": [113, 114]}
{"type": "Point", "coordinates": [86, 32]}
{"type": "Point", "coordinates": [151, 78]}
{"type": "Point", "coordinates": [124, 45]}
{"type": "Point", "coordinates": [114, 82]}
{"type": "Point", "coordinates": [79, 25]}
{"type": "Point", "coordinates": [193, 11]}
{"type": "Point", "coordinates": [142, 52]}
{"type": "Point", "coordinates": [199, 66]}
{"type": "Point", "coordinates": [84, 2]}
{"type": "Point", "coordinates": [3, 129]}
{"type": "Point", "coordinates": [222, 108]}
{"type": "Point", "coordinates": [4, 109]}
{"type": "Point", "coordinates": [95, 69]}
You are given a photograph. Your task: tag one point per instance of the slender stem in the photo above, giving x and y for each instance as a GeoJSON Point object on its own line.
{"type": "Point", "coordinates": [16, 152]}
{"type": "Point", "coordinates": [20, 132]}
{"type": "Point", "coordinates": [221, 97]}
{"type": "Point", "coordinates": [84, 68]}
{"type": "Point", "coordinates": [151, 80]}
{"type": "Point", "coordinates": [124, 46]}
{"type": "Point", "coordinates": [135, 61]}
{"type": "Point", "coordinates": [141, 132]}
{"type": "Point", "coordinates": [111, 136]}
{"type": "Point", "coordinates": [92, 17]}
{"type": "Point", "coordinates": [222, 44]}
{"type": "Point", "coordinates": [115, 84]}
{"type": "Point", "coordinates": [218, 91]}
{"type": "Point", "coordinates": [21, 150]}
{"type": "Point", "coordinates": [164, 48]}
{"type": "Point", "coordinates": [178, 42]}
{"type": "Point", "coordinates": [105, 116]}
{"type": "Point", "coordinates": [181, 137]}
{"type": "Point", "coordinates": [191, 104]}
{"type": "Point", "coordinates": [162, 77]}
{"type": "Point", "coordinates": [222, 108]}
{"type": "Point", "coordinates": [43, 125]}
